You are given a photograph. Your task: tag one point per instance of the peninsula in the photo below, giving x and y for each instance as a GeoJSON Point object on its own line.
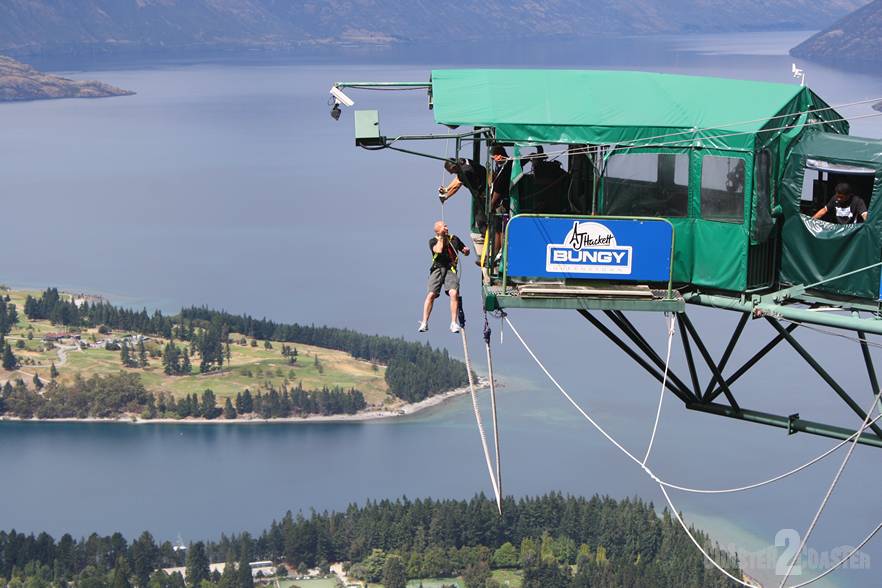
{"type": "Point", "coordinates": [21, 82]}
{"type": "Point", "coordinates": [76, 357]}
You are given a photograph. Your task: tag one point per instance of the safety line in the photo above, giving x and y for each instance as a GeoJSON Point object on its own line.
{"type": "Point", "coordinates": [499, 493]}
{"type": "Point", "coordinates": [833, 484]}
{"type": "Point", "coordinates": [661, 484]}
{"type": "Point", "coordinates": [669, 317]}
{"type": "Point", "coordinates": [474, 394]}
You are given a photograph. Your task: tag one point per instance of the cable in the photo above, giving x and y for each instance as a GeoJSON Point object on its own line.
{"type": "Point", "coordinates": [669, 317]}
{"type": "Point", "coordinates": [662, 484]}
{"type": "Point", "coordinates": [474, 394]}
{"type": "Point", "coordinates": [833, 484]}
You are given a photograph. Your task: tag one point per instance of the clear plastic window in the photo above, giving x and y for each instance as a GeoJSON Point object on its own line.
{"type": "Point", "coordinates": [646, 184]}
{"type": "Point", "coordinates": [722, 189]}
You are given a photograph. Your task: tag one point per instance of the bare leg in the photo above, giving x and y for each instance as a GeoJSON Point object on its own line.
{"type": "Point", "coordinates": [454, 305]}
{"type": "Point", "coordinates": [427, 306]}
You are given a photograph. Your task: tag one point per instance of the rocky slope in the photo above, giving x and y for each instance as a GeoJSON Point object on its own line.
{"type": "Point", "coordinates": [77, 27]}
{"type": "Point", "coordinates": [22, 82]}
{"type": "Point", "coordinates": [854, 41]}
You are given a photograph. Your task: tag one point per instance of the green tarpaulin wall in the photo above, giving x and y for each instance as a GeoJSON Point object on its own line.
{"type": "Point", "coordinates": [815, 250]}
{"type": "Point", "coordinates": [651, 112]}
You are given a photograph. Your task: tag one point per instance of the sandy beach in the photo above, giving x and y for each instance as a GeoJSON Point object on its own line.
{"type": "Point", "coordinates": [367, 415]}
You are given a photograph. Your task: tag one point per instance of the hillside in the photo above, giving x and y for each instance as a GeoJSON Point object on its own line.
{"type": "Point", "coordinates": [88, 27]}
{"type": "Point", "coordinates": [854, 41]}
{"type": "Point", "coordinates": [22, 82]}
{"type": "Point", "coordinates": [92, 359]}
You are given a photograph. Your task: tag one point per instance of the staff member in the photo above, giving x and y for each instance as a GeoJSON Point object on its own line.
{"type": "Point", "coordinates": [849, 209]}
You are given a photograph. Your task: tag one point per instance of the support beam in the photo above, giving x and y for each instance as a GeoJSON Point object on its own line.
{"type": "Point", "coordinates": [751, 362]}
{"type": "Point", "coordinates": [824, 375]}
{"type": "Point", "coordinates": [685, 322]}
{"type": "Point", "coordinates": [632, 333]}
{"type": "Point", "coordinates": [868, 360]}
{"type": "Point", "coordinates": [783, 422]}
{"type": "Point", "coordinates": [682, 395]}
{"type": "Point", "coordinates": [690, 362]}
{"type": "Point", "coordinates": [728, 352]}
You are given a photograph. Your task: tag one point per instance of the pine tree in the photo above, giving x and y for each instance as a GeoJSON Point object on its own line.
{"type": "Point", "coordinates": [142, 354]}
{"type": "Point", "coordinates": [246, 580]}
{"type": "Point", "coordinates": [229, 410]}
{"type": "Point", "coordinates": [124, 355]}
{"type": "Point", "coordinates": [38, 383]}
{"type": "Point", "coordinates": [197, 564]}
{"type": "Point", "coordinates": [186, 367]}
{"type": "Point", "coordinates": [393, 573]}
{"type": "Point", "coordinates": [10, 362]}
{"type": "Point", "coordinates": [53, 371]}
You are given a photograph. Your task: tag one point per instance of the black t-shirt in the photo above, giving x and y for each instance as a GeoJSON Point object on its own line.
{"type": "Point", "coordinates": [473, 176]}
{"type": "Point", "coordinates": [447, 257]}
{"type": "Point", "coordinates": [502, 178]}
{"type": "Point", "coordinates": [849, 211]}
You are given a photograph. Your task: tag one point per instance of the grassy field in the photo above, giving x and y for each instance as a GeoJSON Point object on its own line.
{"type": "Point", "coordinates": [429, 583]}
{"type": "Point", "coordinates": [250, 367]}
{"type": "Point", "coordinates": [509, 578]}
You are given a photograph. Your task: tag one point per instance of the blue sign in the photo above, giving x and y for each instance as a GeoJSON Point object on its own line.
{"type": "Point", "coordinates": [590, 248]}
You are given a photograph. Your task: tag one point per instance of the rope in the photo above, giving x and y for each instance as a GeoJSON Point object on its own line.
{"type": "Point", "coordinates": [474, 394]}
{"type": "Point", "coordinates": [487, 335]}
{"type": "Point", "coordinates": [662, 485]}
{"type": "Point", "coordinates": [670, 319]}
{"type": "Point", "coordinates": [833, 484]}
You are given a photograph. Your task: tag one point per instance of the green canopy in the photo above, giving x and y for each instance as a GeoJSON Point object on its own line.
{"type": "Point", "coordinates": [612, 107]}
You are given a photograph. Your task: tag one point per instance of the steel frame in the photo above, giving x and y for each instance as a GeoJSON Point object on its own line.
{"type": "Point", "coordinates": [702, 398]}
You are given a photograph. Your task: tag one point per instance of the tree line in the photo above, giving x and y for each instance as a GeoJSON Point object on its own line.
{"type": "Point", "coordinates": [556, 541]}
{"type": "Point", "coordinates": [414, 371]}
{"type": "Point", "coordinates": [115, 395]}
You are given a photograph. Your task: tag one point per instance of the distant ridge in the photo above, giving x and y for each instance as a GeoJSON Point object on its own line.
{"type": "Point", "coordinates": [854, 41]}
{"type": "Point", "coordinates": [20, 82]}
{"type": "Point", "coordinates": [88, 27]}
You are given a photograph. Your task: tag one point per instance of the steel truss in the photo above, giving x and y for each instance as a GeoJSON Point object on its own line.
{"type": "Point", "coordinates": [703, 398]}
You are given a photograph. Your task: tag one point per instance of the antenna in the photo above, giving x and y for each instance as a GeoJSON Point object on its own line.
{"type": "Point", "coordinates": [798, 73]}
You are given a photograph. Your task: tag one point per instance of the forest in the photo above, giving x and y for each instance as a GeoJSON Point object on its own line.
{"type": "Point", "coordinates": [555, 541]}
{"type": "Point", "coordinates": [414, 371]}
{"type": "Point", "coordinates": [114, 395]}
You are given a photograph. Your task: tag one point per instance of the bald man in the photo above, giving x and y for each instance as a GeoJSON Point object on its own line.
{"type": "Point", "coordinates": [443, 273]}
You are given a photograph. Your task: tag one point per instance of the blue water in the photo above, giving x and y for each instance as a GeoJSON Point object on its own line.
{"type": "Point", "coordinates": [229, 185]}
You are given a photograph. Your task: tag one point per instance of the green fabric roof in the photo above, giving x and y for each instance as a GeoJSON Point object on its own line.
{"type": "Point", "coordinates": [841, 148]}
{"type": "Point", "coordinates": [605, 106]}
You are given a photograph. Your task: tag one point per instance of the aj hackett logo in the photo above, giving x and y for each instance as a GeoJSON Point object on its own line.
{"type": "Point", "coordinates": [589, 248]}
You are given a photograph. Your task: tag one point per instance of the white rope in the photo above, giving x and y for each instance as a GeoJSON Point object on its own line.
{"type": "Point", "coordinates": [670, 319]}
{"type": "Point", "coordinates": [823, 505]}
{"type": "Point", "coordinates": [474, 394]}
{"type": "Point", "coordinates": [662, 484]}
{"type": "Point", "coordinates": [495, 428]}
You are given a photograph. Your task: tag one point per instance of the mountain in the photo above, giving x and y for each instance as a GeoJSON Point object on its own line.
{"type": "Point", "coordinates": [855, 41]}
{"type": "Point", "coordinates": [22, 82]}
{"type": "Point", "coordinates": [75, 27]}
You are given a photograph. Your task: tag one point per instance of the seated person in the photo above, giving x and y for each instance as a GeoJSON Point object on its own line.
{"type": "Point", "coordinates": [849, 209]}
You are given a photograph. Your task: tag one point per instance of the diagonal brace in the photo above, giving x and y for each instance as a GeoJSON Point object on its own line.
{"type": "Point", "coordinates": [736, 334]}
{"type": "Point", "coordinates": [751, 362]}
{"type": "Point", "coordinates": [823, 373]}
{"type": "Point", "coordinates": [683, 395]}
{"type": "Point", "coordinates": [685, 322]}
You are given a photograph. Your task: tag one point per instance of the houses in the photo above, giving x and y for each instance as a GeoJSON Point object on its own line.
{"type": "Point", "coordinates": [57, 337]}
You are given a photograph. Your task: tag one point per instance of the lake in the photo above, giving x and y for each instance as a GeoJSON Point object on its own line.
{"type": "Point", "coordinates": [227, 184]}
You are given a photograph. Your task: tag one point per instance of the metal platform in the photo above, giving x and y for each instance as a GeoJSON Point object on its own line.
{"type": "Point", "coordinates": [571, 297]}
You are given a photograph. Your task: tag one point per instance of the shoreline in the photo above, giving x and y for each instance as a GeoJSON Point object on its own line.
{"type": "Point", "coordinates": [366, 416]}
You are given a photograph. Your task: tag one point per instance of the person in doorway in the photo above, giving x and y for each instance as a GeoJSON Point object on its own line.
{"type": "Point", "coordinates": [847, 207]}
{"type": "Point", "coordinates": [443, 274]}
{"type": "Point", "coordinates": [499, 193]}
{"type": "Point", "coordinates": [473, 176]}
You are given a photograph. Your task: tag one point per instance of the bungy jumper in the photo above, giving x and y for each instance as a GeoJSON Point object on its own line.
{"type": "Point", "coordinates": [676, 191]}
